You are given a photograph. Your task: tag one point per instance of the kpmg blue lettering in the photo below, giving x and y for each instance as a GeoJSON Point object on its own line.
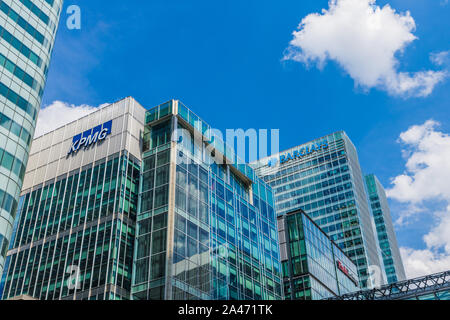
{"type": "Point", "coordinates": [304, 151]}
{"type": "Point", "coordinates": [90, 137]}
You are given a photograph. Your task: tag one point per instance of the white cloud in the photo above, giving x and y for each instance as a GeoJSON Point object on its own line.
{"type": "Point", "coordinates": [59, 114]}
{"type": "Point", "coordinates": [420, 263]}
{"type": "Point", "coordinates": [408, 214]}
{"type": "Point", "coordinates": [441, 58]}
{"type": "Point", "coordinates": [423, 187]}
{"type": "Point", "coordinates": [365, 40]}
{"type": "Point", "coordinates": [427, 175]}
{"type": "Point", "coordinates": [436, 256]}
{"type": "Point", "coordinates": [439, 236]}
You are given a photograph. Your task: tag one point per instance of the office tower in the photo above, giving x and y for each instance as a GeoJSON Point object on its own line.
{"type": "Point", "coordinates": [75, 229]}
{"type": "Point", "coordinates": [206, 224]}
{"type": "Point", "coordinates": [27, 33]}
{"type": "Point", "coordinates": [114, 207]}
{"type": "Point", "coordinates": [314, 267]}
{"type": "Point", "coordinates": [324, 179]}
{"type": "Point", "coordinates": [392, 260]}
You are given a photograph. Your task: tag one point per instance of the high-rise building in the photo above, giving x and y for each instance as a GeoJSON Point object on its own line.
{"type": "Point", "coordinates": [324, 179]}
{"type": "Point", "coordinates": [27, 34]}
{"type": "Point", "coordinates": [314, 267]}
{"type": "Point", "coordinates": [75, 228]}
{"type": "Point", "coordinates": [392, 260]}
{"type": "Point", "coordinates": [206, 224]}
{"type": "Point", "coordinates": [115, 207]}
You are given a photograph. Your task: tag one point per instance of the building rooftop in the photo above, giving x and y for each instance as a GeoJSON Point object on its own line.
{"type": "Point", "coordinates": [190, 118]}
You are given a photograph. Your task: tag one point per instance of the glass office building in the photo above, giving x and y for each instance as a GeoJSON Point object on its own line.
{"type": "Point", "coordinates": [324, 179]}
{"type": "Point", "coordinates": [392, 260]}
{"type": "Point", "coordinates": [131, 204]}
{"type": "Point", "coordinates": [206, 225]}
{"type": "Point", "coordinates": [314, 267]}
{"type": "Point", "coordinates": [27, 33]}
{"type": "Point", "coordinates": [75, 229]}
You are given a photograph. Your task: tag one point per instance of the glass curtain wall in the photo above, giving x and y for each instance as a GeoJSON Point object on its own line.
{"type": "Point", "coordinates": [84, 220]}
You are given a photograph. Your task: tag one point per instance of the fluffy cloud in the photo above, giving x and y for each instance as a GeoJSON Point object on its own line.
{"type": "Point", "coordinates": [436, 256]}
{"type": "Point", "coordinates": [59, 114]}
{"type": "Point", "coordinates": [439, 237]}
{"type": "Point", "coordinates": [419, 263]}
{"type": "Point", "coordinates": [365, 40]}
{"type": "Point", "coordinates": [425, 186]}
{"type": "Point", "coordinates": [427, 175]}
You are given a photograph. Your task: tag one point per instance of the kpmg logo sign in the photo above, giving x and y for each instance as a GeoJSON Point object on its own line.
{"type": "Point", "coordinates": [90, 137]}
{"type": "Point", "coordinates": [298, 154]}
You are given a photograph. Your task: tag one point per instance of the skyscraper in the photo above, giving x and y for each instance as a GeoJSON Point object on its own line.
{"type": "Point", "coordinates": [27, 34]}
{"type": "Point", "coordinates": [324, 179]}
{"type": "Point", "coordinates": [392, 260]}
{"type": "Point", "coordinates": [77, 213]}
{"type": "Point", "coordinates": [206, 225]}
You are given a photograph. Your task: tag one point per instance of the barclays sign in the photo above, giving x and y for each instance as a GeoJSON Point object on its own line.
{"type": "Point", "coordinates": [90, 137]}
{"type": "Point", "coordinates": [298, 154]}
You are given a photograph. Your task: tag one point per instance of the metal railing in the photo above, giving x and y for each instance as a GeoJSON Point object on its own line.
{"type": "Point", "coordinates": [403, 290]}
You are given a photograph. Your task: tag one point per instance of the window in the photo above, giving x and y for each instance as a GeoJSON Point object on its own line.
{"type": "Point", "coordinates": [161, 196]}
{"type": "Point", "coordinates": [160, 221]}
{"type": "Point", "coordinates": [143, 243]}
{"type": "Point", "coordinates": [142, 270]}
{"type": "Point", "coordinates": [148, 180]}
{"type": "Point", "coordinates": [147, 201]}
{"type": "Point", "coordinates": [3, 246]}
{"type": "Point", "coordinates": [160, 135]}
{"type": "Point", "coordinates": [7, 161]}
{"type": "Point", "coordinates": [149, 163]}
{"type": "Point", "coordinates": [159, 241]}
{"type": "Point", "coordinates": [163, 158]}
{"type": "Point", "coordinates": [145, 226]}
{"type": "Point", "coordinates": [180, 223]}
{"type": "Point", "coordinates": [191, 247]}
{"type": "Point", "coordinates": [162, 176]}
{"type": "Point", "coordinates": [180, 199]}
{"type": "Point", "coordinates": [158, 266]}
{"type": "Point", "coordinates": [180, 243]}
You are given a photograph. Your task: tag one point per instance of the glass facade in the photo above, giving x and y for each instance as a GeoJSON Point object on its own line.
{"type": "Point", "coordinates": [142, 215]}
{"type": "Point", "coordinates": [75, 231]}
{"type": "Point", "coordinates": [392, 261]}
{"type": "Point", "coordinates": [324, 179]}
{"type": "Point", "coordinates": [206, 228]}
{"type": "Point", "coordinates": [71, 222]}
{"type": "Point", "coordinates": [27, 33]}
{"type": "Point", "coordinates": [314, 267]}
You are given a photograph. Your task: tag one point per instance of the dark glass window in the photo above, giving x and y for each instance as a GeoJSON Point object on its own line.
{"type": "Point", "coordinates": [161, 196]}
{"type": "Point", "coordinates": [159, 241]}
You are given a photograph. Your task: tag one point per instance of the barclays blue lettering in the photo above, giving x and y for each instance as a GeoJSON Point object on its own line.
{"type": "Point", "coordinates": [90, 137]}
{"type": "Point", "coordinates": [303, 152]}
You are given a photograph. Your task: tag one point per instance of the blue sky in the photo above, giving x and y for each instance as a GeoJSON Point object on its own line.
{"type": "Point", "coordinates": [224, 59]}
